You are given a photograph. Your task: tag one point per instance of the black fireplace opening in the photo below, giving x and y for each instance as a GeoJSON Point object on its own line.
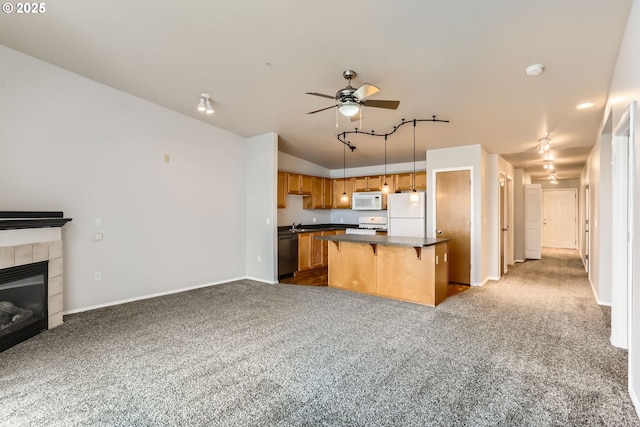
{"type": "Point", "coordinates": [23, 303]}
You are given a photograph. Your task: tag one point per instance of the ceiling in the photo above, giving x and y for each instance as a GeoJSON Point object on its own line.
{"type": "Point", "coordinates": [461, 60]}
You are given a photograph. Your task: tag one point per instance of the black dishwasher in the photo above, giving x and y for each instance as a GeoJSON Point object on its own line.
{"type": "Point", "coordinates": [287, 254]}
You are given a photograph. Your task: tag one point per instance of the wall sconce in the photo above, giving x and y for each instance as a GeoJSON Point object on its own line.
{"type": "Point", "coordinates": [205, 104]}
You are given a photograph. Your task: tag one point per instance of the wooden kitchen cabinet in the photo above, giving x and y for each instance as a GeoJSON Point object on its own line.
{"type": "Point", "coordinates": [404, 181]}
{"type": "Point", "coordinates": [321, 194]}
{"type": "Point", "coordinates": [441, 272]}
{"type": "Point", "coordinates": [304, 251]}
{"type": "Point", "coordinates": [299, 184]}
{"type": "Point", "coordinates": [311, 252]}
{"type": "Point", "coordinates": [282, 190]}
{"type": "Point", "coordinates": [374, 183]}
{"type": "Point", "coordinates": [367, 183]}
{"type": "Point", "coordinates": [341, 185]}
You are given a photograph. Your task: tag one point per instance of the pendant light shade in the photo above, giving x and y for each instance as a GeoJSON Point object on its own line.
{"type": "Point", "coordinates": [344, 198]}
{"type": "Point", "coordinates": [385, 186]}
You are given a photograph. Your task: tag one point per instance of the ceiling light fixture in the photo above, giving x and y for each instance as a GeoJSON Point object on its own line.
{"type": "Point", "coordinates": [534, 70]}
{"type": "Point", "coordinates": [544, 145]}
{"type": "Point", "coordinates": [548, 164]}
{"type": "Point", "coordinates": [584, 105]}
{"type": "Point", "coordinates": [205, 104]}
{"type": "Point", "coordinates": [349, 108]}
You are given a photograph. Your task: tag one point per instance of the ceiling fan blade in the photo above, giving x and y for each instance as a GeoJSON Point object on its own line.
{"type": "Point", "coordinates": [322, 109]}
{"type": "Point", "coordinates": [365, 91]}
{"type": "Point", "coordinates": [392, 105]}
{"type": "Point", "coordinates": [356, 117]}
{"type": "Point", "coordinates": [321, 94]}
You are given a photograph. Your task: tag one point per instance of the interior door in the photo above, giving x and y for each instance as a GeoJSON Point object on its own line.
{"type": "Point", "coordinates": [559, 223]}
{"type": "Point", "coordinates": [453, 220]}
{"type": "Point", "coordinates": [533, 221]}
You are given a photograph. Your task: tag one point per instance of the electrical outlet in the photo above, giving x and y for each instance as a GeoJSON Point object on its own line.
{"type": "Point", "coordinates": [314, 219]}
{"type": "Point", "coordinates": [97, 276]}
{"type": "Point", "coordinates": [268, 221]}
{"type": "Point", "coordinates": [259, 258]}
{"type": "Point", "coordinates": [341, 220]}
{"type": "Point", "coordinates": [97, 222]}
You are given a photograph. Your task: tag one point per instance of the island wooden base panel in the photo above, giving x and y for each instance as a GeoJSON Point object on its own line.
{"type": "Point", "coordinates": [319, 277]}
{"type": "Point", "coordinates": [397, 272]}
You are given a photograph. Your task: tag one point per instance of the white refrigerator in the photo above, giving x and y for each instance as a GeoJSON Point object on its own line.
{"type": "Point", "coordinates": [406, 217]}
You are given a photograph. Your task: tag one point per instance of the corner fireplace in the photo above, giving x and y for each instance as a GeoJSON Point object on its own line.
{"type": "Point", "coordinates": [23, 303]}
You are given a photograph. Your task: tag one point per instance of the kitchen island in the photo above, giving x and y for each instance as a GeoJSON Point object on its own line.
{"type": "Point", "coordinates": [403, 268]}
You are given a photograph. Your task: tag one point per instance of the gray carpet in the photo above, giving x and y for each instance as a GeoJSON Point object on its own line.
{"type": "Point", "coordinates": [531, 349]}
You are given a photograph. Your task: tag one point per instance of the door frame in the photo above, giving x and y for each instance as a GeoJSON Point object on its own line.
{"type": "Point", "coordinates": [622, 235]}
{"type": "Point", "coordinates": [472, 243]}
{"type": "Point", "coordinates": [505, 208]}
{"type": "Point", "coordinates": [587, 229]}
{"type": "Point", "coordinates": [575, 210]}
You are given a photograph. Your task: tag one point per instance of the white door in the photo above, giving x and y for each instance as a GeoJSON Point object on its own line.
{"type": "Point", "coordinates": [559, 221]}
{"type": "Point", "coordinates": [533, 221]}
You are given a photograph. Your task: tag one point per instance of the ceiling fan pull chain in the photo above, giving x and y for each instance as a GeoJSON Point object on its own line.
{"type": "Point", "coordinates": [336, 117]}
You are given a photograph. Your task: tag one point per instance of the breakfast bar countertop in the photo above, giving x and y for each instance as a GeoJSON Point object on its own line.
{"type": "Point", "coordinates": [415, 242]}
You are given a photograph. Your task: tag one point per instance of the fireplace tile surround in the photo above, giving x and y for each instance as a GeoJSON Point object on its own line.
{"type": "Point", "coordinates": [12, 256]}
{"type": "Point", "coordinates": [30, 237]}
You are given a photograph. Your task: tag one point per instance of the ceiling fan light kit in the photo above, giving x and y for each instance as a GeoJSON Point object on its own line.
{"type": "Point", "coordinates": [349, 109]}
{"type": "Point", "coordinates": [349, 99]}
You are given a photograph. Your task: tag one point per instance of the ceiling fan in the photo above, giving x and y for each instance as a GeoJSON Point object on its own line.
{"type": "Point", "coordinates": [351, 99]}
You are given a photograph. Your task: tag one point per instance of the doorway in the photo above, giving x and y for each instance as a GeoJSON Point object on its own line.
{"type": "Point", "coordinates": [504, 233]}
{"type": "Point", "coordinates": [453, 220]}
{"type": "Point", "coordinates": [559, 218]}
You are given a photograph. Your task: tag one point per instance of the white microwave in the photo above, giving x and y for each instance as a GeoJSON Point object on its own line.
{"type": "Point", "coordinates": [369, 201]}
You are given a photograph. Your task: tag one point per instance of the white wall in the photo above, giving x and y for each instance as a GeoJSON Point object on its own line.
{"type": "Point", "coordinates": [521, 178]}
{"type": "Point", "coordinates": [261, 213]}
{"type": "Point", "coordinates": [625, 87]}
{"type": "Point", "coordinates": [68, 143]}
{"type": "Point", "coordinates": [598, 176]}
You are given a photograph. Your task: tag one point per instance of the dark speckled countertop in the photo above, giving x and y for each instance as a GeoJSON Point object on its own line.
{"type": "Point", "coordinates": [310, 228]}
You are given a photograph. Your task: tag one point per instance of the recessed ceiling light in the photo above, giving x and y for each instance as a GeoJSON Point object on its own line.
{"type": "Point", "coordinates": [534, 70]}
{"type": "Point", "coordinates": [584, 105]}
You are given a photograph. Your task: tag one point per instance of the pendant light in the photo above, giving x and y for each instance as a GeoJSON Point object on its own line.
{"type": "Point", "coordinates": [414, 195]}
{"type": "Point", "coordinates": [385, 186]}
{"type": "Point", "coordinates": [344, 198]}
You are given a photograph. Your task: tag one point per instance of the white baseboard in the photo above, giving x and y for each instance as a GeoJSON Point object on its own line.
{"type": "Point", "coordinates": [595, 295]}
{"type": "Point", "coordinates": [635, 400]}
{"type": "Point", "coordinates": [159, 294]}
{"type": "Point", "coordinates": [261, 280]}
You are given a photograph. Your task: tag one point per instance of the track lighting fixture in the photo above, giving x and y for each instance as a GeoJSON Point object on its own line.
{"type": "Point", "coordinates": [205, 104]}
{"type": "Point", "coordinates": [544, 145]}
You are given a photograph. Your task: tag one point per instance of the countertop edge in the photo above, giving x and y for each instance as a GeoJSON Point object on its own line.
{"type": "Point", "coordinates": [415, 242]}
